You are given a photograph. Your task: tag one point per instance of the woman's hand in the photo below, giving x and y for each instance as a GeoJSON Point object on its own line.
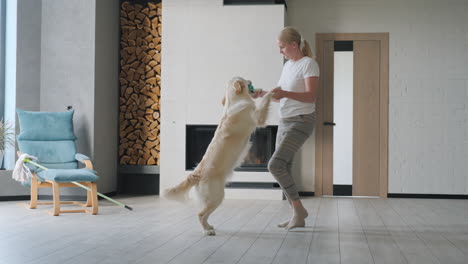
{"type": "Point", "coordinates": [278, 93]}
{"type": "Point", "coordinates": [308, 96]}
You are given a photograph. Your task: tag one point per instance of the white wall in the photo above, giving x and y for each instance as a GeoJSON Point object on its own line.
{"type": "Point", "coordinates": [205, 44]}
{"type": "Point", "coordinates": [428, 113]}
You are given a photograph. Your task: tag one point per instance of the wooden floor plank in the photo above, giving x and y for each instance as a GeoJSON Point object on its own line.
{"type": "Point", "coordinates": [265, 247]}
{"type": "Point", "coordinates": [354, 247]}
{"type": "Point", "coordinates": [206, 246]}
{"type": "Point", "coordinates": [237, 245]}
{"type": "Point", "coordinates": [383, 248]}
{"type": "Point", "coordinates": [189, 235]}
{"type": "Point", "coordinates": [413, 248]}
{"type": "Point", "coordinates": [421, 220]}
{"type": "Point", "coordinates": [296, 244]}
{"type": "Point", "coordinates": [325, 244]}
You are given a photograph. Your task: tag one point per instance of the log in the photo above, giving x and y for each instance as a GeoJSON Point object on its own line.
{"type": "Point", "coordinates": [141, 16]}
{"type": "Point", "coordinates": [151, 144]}
{"type": "Point", "coordinates": [146, 22]}
{"type": "Point", "coordinates": [138, 8]}
{"type": "Point", "coordinates": [151, 80]}
{"type": "Point", "coordinates": [153, 125]}
{"type": "Point", "coordinates": [150, 74]}
{"type": "Point", "coordinates": [124, 159]}
{"type": "Point", "coordinates": [151, 161]}
{"type": "Point", "coordinates": [158, 68]}
{"type": "Point", "coordinates": [126, 6]}
{"type": "Point", "coordinates": [154, 153]}
{"type": "Point", "coordinates": [138, 146]}
{"type": "Point", "coordinates": [152, 6]}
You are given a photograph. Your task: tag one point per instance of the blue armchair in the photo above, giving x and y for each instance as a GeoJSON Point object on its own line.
{"type": "Point", "coordinates": [49, 136]}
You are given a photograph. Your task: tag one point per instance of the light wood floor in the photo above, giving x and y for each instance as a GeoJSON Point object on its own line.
{"type": "Point", "coordinates": [339, 230]}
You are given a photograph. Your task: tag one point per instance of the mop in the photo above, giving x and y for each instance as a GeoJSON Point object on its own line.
{"type": "Point", "coordinates": [28, 160]}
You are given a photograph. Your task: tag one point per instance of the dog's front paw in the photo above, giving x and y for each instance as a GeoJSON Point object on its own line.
{"type": "Point", "coordinates": [269, 95]}
{"type": "Point", "coordinates": [210, 233]}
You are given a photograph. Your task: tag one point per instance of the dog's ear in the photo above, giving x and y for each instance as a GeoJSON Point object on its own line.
{"type": "Point", "coordinates": [238, 85]}
{"type": "Point", "coordinates": [224, 100]}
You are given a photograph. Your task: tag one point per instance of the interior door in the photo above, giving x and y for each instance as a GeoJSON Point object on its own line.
{"type": "Point", "coordinates": [366, 123]}
{"type": "Point", "coordinates": [370, 114]}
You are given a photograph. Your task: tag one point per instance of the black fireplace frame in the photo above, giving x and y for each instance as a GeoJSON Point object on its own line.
{"type": "Point", "coordinates": [191, 138]}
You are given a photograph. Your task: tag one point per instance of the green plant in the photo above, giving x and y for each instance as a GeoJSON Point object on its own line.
{"type": "Point", "coordinates": [6, 135]}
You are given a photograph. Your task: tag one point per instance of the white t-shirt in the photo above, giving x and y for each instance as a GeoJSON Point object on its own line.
{"type": "Point", "coordinates": [292, 80]}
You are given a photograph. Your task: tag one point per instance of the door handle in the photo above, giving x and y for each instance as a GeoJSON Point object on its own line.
{"type": "Point", "coordinates": [329, 124]}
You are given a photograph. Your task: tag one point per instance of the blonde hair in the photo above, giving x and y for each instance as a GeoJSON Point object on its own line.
{"type": "Point", "coordinates": [289, 35]}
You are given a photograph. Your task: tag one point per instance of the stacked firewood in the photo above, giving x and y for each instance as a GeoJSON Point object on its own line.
{"type": "Point", "coordinates": [140, 82]}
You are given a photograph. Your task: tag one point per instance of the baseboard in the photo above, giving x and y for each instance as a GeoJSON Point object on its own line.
{"type": "Point", "coordinates": [49, 197]}
{"type": "Point", "coordinates": [254, 2]}
{"type": "Point", "coordinates": [14, 198]}
{"type": "Point", "coordinates": [302, 194]}
{"type": "Point", "coordinates": [252, 185]}
{"type": "Point", "coordinates": [427, 196]}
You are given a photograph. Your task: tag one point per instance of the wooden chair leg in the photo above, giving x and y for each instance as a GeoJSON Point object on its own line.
{"type": "Point", "coordinates": [89, 199]}
{"type": "Point", "coordinates": [94, 198]}
{"type": "Point", "coordinates": [56, 196]}
{"type": "Point", "coordinates": [34, 193]}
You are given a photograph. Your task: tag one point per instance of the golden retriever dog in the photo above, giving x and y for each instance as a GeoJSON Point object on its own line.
{"type": "Point", "coordinates": [226, 151]}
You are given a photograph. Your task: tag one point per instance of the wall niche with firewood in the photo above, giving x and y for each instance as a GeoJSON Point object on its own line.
{"type": "Point", "coordinates": [140, 82]}
{"type": "Point", "coordinates": [140, 96]}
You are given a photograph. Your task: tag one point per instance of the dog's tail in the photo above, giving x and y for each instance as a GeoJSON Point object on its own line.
{"type": "Point", "coordinates": [180, 191]}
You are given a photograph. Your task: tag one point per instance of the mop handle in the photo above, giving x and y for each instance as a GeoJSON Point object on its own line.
{"type": "Point", "coordinates": [82, 186]}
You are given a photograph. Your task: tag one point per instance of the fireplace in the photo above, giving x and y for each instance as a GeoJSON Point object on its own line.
{"type": "Point", "coordinates": [198, 137]}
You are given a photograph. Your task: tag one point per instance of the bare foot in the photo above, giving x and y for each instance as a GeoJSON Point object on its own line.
{"type": "Point", "coordinates": [283, 224]}
{"type": "Point", "coordinates": [298, 218]}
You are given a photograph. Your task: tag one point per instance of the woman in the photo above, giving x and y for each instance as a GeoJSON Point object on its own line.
{"type": "Point", "coordinates": [297, 92]}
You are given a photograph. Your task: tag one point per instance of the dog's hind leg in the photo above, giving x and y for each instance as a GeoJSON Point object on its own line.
{"type": "Point", "coordinates": [211, 194]}
{"type": "Point", "coordinates": [203, 217]}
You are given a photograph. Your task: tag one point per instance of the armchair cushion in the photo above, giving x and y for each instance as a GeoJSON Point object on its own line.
{"type": "Point", "coordinates": [46, 125]}
{"type": "Point", "coordinates": [69, 175]}
{"type": "Point", "coordinates": [49, 151]}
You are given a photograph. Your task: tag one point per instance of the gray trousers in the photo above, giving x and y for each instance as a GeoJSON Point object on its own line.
{"type": "Point", "coordinates": [292, 133]}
